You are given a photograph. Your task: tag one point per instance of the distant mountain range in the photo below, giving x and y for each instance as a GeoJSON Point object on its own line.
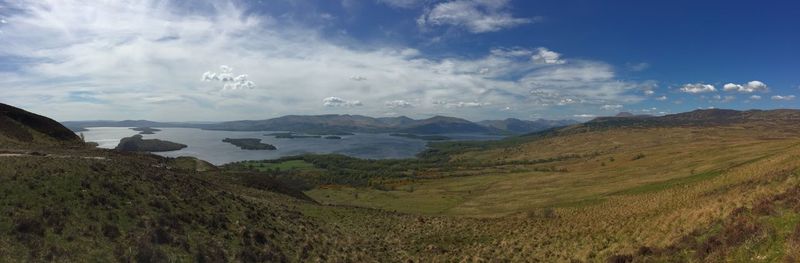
{"type": "Point", "coordinates": [337, 124]}
{"type": "Point", "coordinates": [524, 126]}
{"type": "Point", "coordinates": [700, 117]}
{"type": "Point", "coordinates": [81, 125]}
{"type": "Point", "coordinates": [697, 118]}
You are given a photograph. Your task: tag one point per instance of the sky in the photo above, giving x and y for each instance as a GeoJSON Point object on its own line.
{"type": "Point", "coordinates": [475, 59]}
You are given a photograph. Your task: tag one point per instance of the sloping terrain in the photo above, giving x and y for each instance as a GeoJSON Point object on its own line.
{"type": "Point", "coordinates": [333, 123]}
{"type": "Point", "coordinates": [339, 124]}
{"type": "Point", "coordinates": [19, 127]}
{"type": "Point", "coordinates": [700, 193]}
{"type": "Point", "coordinates": [518, 126]}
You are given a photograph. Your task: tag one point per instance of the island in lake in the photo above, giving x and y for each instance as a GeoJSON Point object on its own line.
{"type": "Point", "coordinates": [421, 137]}
{"type": "Point", "coordinates": [289, 135]}
{"type": "Point", "coordinates": [137, 144]}
{"type": "Point", "coordinates": [250, 144]}
{"type": "Point", "coordinates": [145, 130]}
{"type": "Point", "coordinates": [333, 137]}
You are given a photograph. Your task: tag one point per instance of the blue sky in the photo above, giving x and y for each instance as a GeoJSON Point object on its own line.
{"type": "Point", "coordinates": [475, 59]}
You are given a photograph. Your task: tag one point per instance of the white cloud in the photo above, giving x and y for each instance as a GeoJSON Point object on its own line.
{"type": "Point", "coordinates": [239, 82]}
{"type": "Point", "coordinates": [471, 104]}
{"type": "Point", "coordinates": [567, 101]}
{"type": "Point", "coordinates": [638, 66]}
{"type": "Point", "coordinates": [661, 98]}
{"type": "Point", "coordinates": [584, 115]}
{"type": "Point", "coordinates": [728, 99]}
{"type": "Point", "coordinates": [358, 78]}
{"type": "Point", "coordinates": [750, 87]}
{"type": "Point", "coordinates": [403, 3]}
{"type": "Point", "coordinates": [511, 52]}
{"type": "Point", "coordinates": [477, 16]}
{"type": "Point", "coordinates": [545, 56]}
{"type": "Point", "coordinates": [649, 92]}
{"type": "Point", "coordinates": [653, 109]}
{"type": "Point", "coordinates": [611, 107]}
{"type": "Point", "coordinates": [755, 97]}
{"type": "Point", "coordinates": [128, 52]}
{"type": "Point", "coordinates": [698, 88]}
{"type": "Point", "coordinates": [398, 104]}
{"type": "Point", "coordinates": [783, 98]}
{"type": "Point", "coordinates": [226, 76]}
{"type": "Point", "coordinates": [461, 104]}
{"type": "Point", "coordinates": [339, 102]}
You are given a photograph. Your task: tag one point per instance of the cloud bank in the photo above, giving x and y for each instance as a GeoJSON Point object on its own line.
{"type": "Point", "coordinates": [698, 88]}
{"type": "Point", "coordinates": [476, 16]}
{"type": "Point", "coordinates": [152, 60]}
{"type": "Point", "coordinates": [339, 102]}
{"type": "Point", "coordinates": [749, 87]}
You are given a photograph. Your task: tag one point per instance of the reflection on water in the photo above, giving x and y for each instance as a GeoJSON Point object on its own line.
{"type": "Point", "coordinates": [208, 145]}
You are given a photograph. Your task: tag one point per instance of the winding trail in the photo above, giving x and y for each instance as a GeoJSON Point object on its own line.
{"type": "Point", "coordinates": [26, 154]}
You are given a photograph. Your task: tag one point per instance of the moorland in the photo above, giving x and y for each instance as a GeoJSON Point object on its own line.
{"type": "Point", "coordinates": [702, 186]}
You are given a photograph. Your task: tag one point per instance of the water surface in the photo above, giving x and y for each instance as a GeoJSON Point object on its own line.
{"type": "Point", "coordinates": [207, 145]}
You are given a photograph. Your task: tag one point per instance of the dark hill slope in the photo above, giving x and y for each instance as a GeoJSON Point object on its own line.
{"type": "Point", "coordinates": [307, 124]}
{"type": "Point", "coordinates": [697, 118]}
{"type": "Point", "coordinates": [442, 124]}
{"type": "Point", "coordinates": [20, 126]}
{"type": "Point", "coordinates": [82, 125]}
{"type": "Point", "coordinates": [781, 119]}
{"type": "Point", "coordinates": [524, 126]}
{"type": "Point", "coordinates": [134, 207]}
{"type": "Point", "coordinates": [332, 123]}
{"type": "Point", "coordinates": [702, 117]}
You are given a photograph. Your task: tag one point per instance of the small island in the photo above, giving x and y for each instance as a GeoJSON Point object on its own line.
{"type": "Point", "coordinates": [137, 144]}
{"type": "Point", "coordinates": [421, 137]}
{"type": "Point", "coordinates": [333, 137]}
{"type": "Point", "coordinates": [337, 133]}
{"type": "Point", "coordinates": [250, 144]}
{"type": "Point", "coordinates": [289, 135]}
{"type": "Point", "coordinates": [145, 130]}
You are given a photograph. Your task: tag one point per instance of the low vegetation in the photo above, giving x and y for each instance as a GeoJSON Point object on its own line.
{"type": "Point", "coordinates": [137, 144]}
{"type": "Point", "coordinates": [421, 137]}
{"type": "Point", "coordinates": [146, 130]}
{"type": "Point", "coordinates": [250, 144]}
{"type": "Point", "coordinates": [666, 194]}
{"type": "Point", "coordinates": [289, 135]}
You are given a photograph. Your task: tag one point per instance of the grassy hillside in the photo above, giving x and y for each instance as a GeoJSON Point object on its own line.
{"type": "Point", "coordinates": [727, 192]}
{"type": "Point", "coordinates": [115, 207]}
{"type": "Point", "coordinates": [25, 129]}
{"type": "Point", "coordinates": [562, 170]}
{"type": "Point", "coordinates": [642, 190]}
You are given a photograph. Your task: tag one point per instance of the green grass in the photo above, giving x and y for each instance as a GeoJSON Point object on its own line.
{"type": "Point", "coordinates": [659, 186]}
{"type": "Point", "coordinates": [281, 166]}
{"type": "Point", "coordinates": [771, 248]}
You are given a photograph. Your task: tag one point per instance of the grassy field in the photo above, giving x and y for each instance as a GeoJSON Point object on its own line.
{"type": "Point", "coordinates": [727, 193]}
{"type": "Point", "coordinates": [281, 166]}
{"type": "Point", "coordinates": [667, 194]}
{"type": "Point", "coordinates": [614, 163]}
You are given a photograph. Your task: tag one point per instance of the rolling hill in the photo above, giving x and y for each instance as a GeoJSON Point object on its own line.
{"type": "Point", "coordinates": [338, 124]}
{"type": "Point", "coordinates": [82, 125]}
{"type": "Point", "coordinates": [518, 126]}
{"type": "Point", "coordinates": [704, 186]}
{"type": "Point", "coordinates": [19, 127]}
{"type": "Point", "coordinates": [323, 124]}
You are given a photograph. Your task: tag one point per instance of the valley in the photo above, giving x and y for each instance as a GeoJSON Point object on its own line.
{"type": "Point", "coordinates": [584, 193]}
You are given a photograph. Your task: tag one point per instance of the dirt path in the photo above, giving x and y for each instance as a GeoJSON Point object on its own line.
{"type": "Point", "coordinates": [50, 156]}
